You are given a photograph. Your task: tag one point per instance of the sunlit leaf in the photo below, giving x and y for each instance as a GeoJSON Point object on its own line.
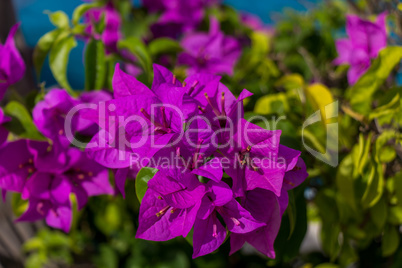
{"type": "Point", "coordinates": [319, 96]}
{"type": "Point", "coordinates": [58, 60]}
{"type": "Point", "coordinates": [291, 81]}
{"type": "Point", "coordinates": [141, 182]}
{"type": "Point", "coordinates": [272, 104]}
{"type": "Point", "coordinates": [361, 93]}
{"type": "Point", "coordinates": [42, 49]}
{"type": "Point", "coordinates": [59, 19]}
{"type": "Point", "coordinates": [21, 123]}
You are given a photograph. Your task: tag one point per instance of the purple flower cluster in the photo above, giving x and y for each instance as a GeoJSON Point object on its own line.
{"type": "Point", "coordinates": [211, 52]}
{"type": "Point", "coordinates": [365, 40]}
{"type": "Point", "coordinates": [194, 132]}
{"type": "Point", "coordinates": [46, 173]}
{"type": "Point", "coordinates": [12, 66]}
{"type": "Point", "coordinates": [177, 16]}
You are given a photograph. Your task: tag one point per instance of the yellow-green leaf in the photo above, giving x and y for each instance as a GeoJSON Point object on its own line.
{"type": "Point", "coordinates": [361, 93]}
{"type": "Point", "coordinates": [375, 186]}
{"type": "Point", "coordinates": [398, 187]}
{"type": "Point", "coordinates": [21, 123]}
{"type": "Point", "coordinates": [379, 213]}
{"type": "Point", "coordinates": [345, 181]}
{"type": "Point", "coordinates": [59, 19]}
{"type": "Point", "coordinates": [319, 96]}
{"type": "Point", "coordinates": [141, 182]}
{"type": "Point", "coordinates": [58, 60]}
{"type": "Point", "coordinates": [42, 49]}
{"type": "Point", "coordinates": [291, 81]}
{"type": "Point", "coordinates": [272, 104]}
{"type": "Point", "coordinates": [390, 241]}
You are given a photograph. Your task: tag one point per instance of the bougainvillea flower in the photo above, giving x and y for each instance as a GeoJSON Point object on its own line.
{"type": "Point", "coordinates": [49, 115]}
{"type": "Point", "coordinates": [16, 165]}
{"type": "Point", "coordinates": [177, 16]}
{"type": "Point", "coordinates": [211, 52]}
{"type": "Point", "coordinates": [154, 5]}
{"type": "Point", "coordinates": [87, 127]}
{"type": "Point", "coordinates": [209, 233]}
{"type": "Point", "coordinates": [149, 119]}
{"type": "Point", "coordinates": [253, 154]}
{"type": "Point", "coordinates": [112, 31]}
{"type": "Point", "coordinates": [216, 102]}
{"type": "Point", "coordinates": [85, 177]}
{"type": "Point", "coordinates": [109, 148]}
{"type": "Point", "coordinates": [49, 199]}
{"type": "Point", "coordinates": [365, 40]}
{"type": "Point", "coordinates": [264, 207]}
{"type": "Point", "coordinates": [12, 66]}
{"type": "Point", "coordinates": [295, 174]}
{"type": "Point", "coordinates": [3, 131]}
{"type": "Point", "coordinates": [170, 205]}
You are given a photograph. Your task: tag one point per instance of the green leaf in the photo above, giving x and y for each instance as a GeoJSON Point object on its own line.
{"type": "Point", "coordinates": [292, 213]}
{"type": "Point", "coordinates": [107, 258]}
{"type": "Point", "coordinates": [390, 241]}
{"type": "Point", "coordinates": [42, 48]}
{"type": "Point", "coordinates": [375, 186]}
{"type": "Point", "coordinates": [395, 215]}
{"type": "Point", "coordinates": [379, 213]}
{"type": "Point", "coordinates": [138, 48]}
{"type": "Point", "coordinates": [141, 182]}
{"type": "Point", "coordinates": [398, 187]}
{"type": "Point", "coordinates": [189, 237]}
{"type": "Point", "coordinates": [345, 181]}
{"type": "Point", "coordinates": [361, 155]}
{"type": "Point", "coordinates": [95, 65]}
{"type": "Point", "coordinates": [34, 244]}
{"type": "Point", "coordinates": [291, 81]}
{"type": "Point", "coordinates": [319, 97]}
{"type": "Point", "coordinates": [82, 9]}
{"type": "Point", "coordinates": [58, 60]}
{"type": "Point", "coordinates": [21, 123]}
{"type": "Point", "coordinates": [391, 105]}
{"type": "Point", "coordinates": [18, 205]}
{"type": "Point", "coordinates": [361, 93]}
{"type": "Point", "coordinates": [327, 265]}
{"type": "Point", "coordinates": [260, 43]}
{"type": "Point", "coordinates": [385, 153]}
{"type": "Point", "coordinates": [164, 46]}
{"type": "Point", "coordinates": [272, 104]}
{"type": "Point", "coordinates": [59, 19]}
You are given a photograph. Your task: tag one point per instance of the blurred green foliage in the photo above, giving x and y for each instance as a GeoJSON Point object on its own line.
{"type": "Point", "coordinates": [357, 203]}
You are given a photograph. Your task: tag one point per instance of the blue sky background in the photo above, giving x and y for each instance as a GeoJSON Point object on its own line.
{"type": "Point", "coordinates": [35, 23]}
